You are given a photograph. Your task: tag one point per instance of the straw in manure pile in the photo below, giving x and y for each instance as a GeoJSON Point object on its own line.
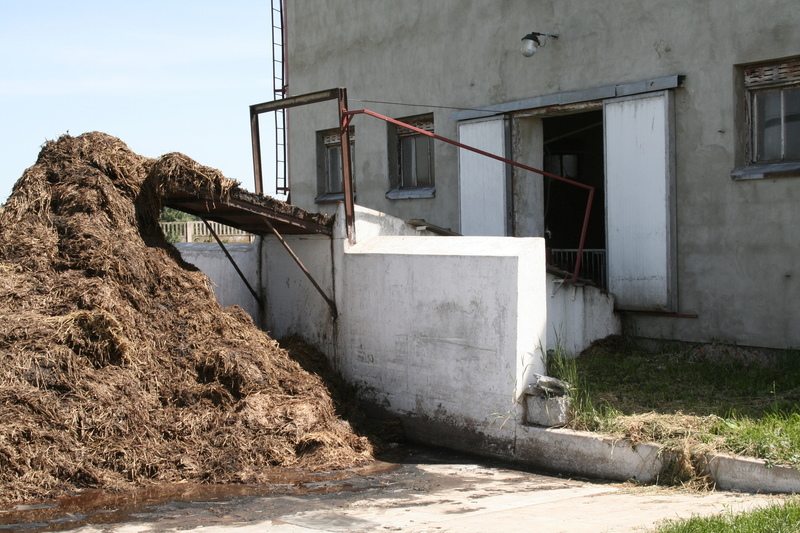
{"type": "Point", "coordinates": [119, 367]}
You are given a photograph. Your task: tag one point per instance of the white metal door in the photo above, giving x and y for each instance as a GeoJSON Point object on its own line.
{"type": "Point", "coordinates": [483, 181]}
{"type": "Point", "coordinates": [640, 234]}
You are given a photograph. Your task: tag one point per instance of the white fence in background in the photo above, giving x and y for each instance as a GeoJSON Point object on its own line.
{"type": "Point", "coordinates": [197, 231]}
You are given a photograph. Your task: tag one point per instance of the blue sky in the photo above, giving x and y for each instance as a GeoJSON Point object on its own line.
{"type": "Point", "coordinates": [163, 76]}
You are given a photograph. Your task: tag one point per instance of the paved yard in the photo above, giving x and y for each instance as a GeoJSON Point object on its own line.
{"type": "Point", "coordinates": [426, 491]}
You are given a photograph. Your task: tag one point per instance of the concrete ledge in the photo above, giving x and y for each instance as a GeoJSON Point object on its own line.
{"type": "Point", "coordinates": [752, 475]}
{"type": "Point", "coordinates": [588, 454]}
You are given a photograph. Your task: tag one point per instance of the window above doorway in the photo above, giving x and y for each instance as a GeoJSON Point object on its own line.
{"type": "Point", "coordinates": [772, 93]}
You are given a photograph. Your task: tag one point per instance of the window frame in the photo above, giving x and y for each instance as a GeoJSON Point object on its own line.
{"type": "Point", "coordinates": [329, 142]}
{"type": "Point", "coordinates": [758, 80]}
{"type": "Point", "coordinates": [403, 186]}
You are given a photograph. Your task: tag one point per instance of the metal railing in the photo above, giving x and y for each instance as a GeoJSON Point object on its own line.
{"type": "Point", "coordinates": [346, 116]}
{"type": "Point", "coordinates": [197, 231]}
{"type": "Point", "coordinates": [593, 263]}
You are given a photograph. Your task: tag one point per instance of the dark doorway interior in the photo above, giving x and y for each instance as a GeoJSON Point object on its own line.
{"type": "Point", "coordinates": [573, 148]}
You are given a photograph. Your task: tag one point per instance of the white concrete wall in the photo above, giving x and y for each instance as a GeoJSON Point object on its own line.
{"type": "Point", "coordinates": [578, 315]}
{"type": "Point", "coordinates": [442, 330]}
{"type": "Point", "coordinates": [292, 305]}
{"type": "Point", "coordinates": [227, 285]}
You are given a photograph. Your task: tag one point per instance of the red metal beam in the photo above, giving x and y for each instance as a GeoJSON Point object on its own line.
{"type": "Point", "coordinates": [347, 174]}
{"type": "Point", "coordinates": [339, 94]}
{"type": "Point", "coordinates": [345, 113]}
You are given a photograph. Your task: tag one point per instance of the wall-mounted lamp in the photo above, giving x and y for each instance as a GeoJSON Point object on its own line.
{"type": "Point", "coordinates": [533, 40]}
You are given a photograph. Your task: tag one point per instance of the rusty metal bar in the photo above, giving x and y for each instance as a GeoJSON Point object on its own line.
{"type": "Point", "coordinates": [582, 243]}
{"type": "Point", "coordinates": [255, 139]}
{"type": "Point", "coordinates": [504, 160]}
{"type": "Point", "coordinates": [330, 302]}
{"type": "Point", "coordinates": [466, 147]}
{"type": "Point", "coordinates": [280, 105]}
{"type": "Point", "coordinates": [230, 258]}
{"type": "Point", "coordinates": [345, 116]}
{"type": "Point", "coordinates": [295, 101]}
{"type": "Point", "coordinates": [347, 173]}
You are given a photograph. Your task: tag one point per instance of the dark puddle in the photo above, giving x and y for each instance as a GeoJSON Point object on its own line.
{"type": "Point", "coordinates": [100, 507]}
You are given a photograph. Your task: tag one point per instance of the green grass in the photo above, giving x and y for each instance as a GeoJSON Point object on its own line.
{"type": "Point", "coordinates": [707, 398]}
{"type": "Point", "coordinates": [773, 436]}
{"type": "Point", "coordinates": [782, 518]}
{"type": "Point", "coordinates": [589, 412]}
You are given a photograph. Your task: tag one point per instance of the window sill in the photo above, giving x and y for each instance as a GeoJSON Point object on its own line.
{"type": "Point", "coordinates": [330, 198]}
{"type": "Point", "coordinates": [408, 194]}
{"type": "Point", "coordinates": [758, 171]}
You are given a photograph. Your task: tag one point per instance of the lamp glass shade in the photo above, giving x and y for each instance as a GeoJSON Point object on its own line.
{"type": "Point", "coordinates": [528, 47]}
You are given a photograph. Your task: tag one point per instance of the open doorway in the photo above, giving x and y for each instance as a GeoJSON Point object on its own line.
{"type": "Point", "coordinates": [573, 148]}
{"type": "Point", "coordinates": [623, 147]}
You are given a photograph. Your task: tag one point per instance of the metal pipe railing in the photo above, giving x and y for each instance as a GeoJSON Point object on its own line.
{"type": "Point", "coordinates": [346, 115]}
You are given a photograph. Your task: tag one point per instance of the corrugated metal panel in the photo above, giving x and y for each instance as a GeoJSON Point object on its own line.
{"type": "Point", "coordinates": [483, 180]}
{"type": "Point", "coordinates": [638, 190]}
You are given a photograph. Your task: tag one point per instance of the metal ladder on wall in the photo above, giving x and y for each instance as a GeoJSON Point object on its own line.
{"type": "Point", "coordinates": [279, 88]}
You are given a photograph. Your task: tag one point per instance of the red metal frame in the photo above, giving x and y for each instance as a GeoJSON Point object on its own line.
{"type": "Point", "coordinates": [339, 94]}
{"type": "Point", "coordinates": [347, 174]}
{"type": "Point", "coordinates": [346, 115]}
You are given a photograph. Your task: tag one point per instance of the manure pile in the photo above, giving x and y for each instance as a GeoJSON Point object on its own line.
{"type": "Point", "coordinates": [119, 367]}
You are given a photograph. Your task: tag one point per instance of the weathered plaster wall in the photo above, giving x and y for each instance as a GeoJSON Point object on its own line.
{"type": "Point", "coordinates": [736, 250]}
{"type": "Point", "coordinates": [292, 303]}
{"type": "Point", "coordinates": [227, 285]}
{"type": "Point", "coordinates": [442, 330]}
{"type": "Point", "coordinates": [578, 315]}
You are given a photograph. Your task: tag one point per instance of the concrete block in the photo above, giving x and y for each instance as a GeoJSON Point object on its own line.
{"type": "Point", "coordinates": [546, 401]}
{"type": "Point", "coordinates": [547, 411]}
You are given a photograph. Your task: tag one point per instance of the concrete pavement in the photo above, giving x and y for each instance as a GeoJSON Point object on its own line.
{"type": "Point", "coordinates": [428, 490]}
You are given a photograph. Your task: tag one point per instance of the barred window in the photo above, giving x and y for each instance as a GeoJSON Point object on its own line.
{"type": "Point", "coordinates": [329, 164]}
{"type": "Point", "coordinates": [415, 154]}
{"type": "Point", "coordinates": [773, 93]}
{"type": "Point", "coordinates": [411, 159]}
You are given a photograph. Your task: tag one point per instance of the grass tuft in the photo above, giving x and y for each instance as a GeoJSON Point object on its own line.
{"type": "Point", "coordinates": [781, 518]}
{"type": "Point", "coordinates": [585, 413]}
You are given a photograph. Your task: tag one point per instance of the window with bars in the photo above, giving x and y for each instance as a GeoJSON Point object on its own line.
{"type": "Point", "coordinates": [773, 93]}
{"type": "Point", "coordinates": [412, 159]}
{"type": "Point", "coordinates": [329, 164]}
